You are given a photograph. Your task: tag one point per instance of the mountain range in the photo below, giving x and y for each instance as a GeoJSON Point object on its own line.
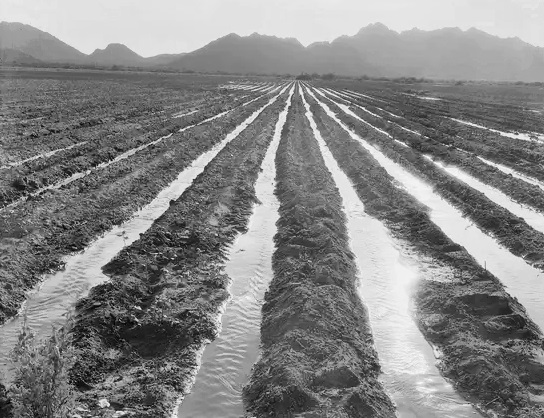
{"type": "Point", "coordinates": [376, 50]}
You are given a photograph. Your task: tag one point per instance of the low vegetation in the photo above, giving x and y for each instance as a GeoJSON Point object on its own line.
{"type": "Point", "coordinates": [41, 387]}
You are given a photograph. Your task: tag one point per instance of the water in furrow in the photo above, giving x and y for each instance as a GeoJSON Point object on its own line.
{"type": "Point", "coordinates": [387, 278]}
{"type": "Point", "coordinates": [44, 155]}
{"type": "Point", "coordinates": [492, 193]}
{"type": "Point", "coordinates": [120, 157]}
{"type": "Point", "coordinates": [182, 114]}
{"type": "Point", "coordinates": [514, 173]}
{"type": "Point", "coordinates": [57, 294]}
{"type": "Point", "coordinates": [352, 96]}
{"type": "Point", "coordinates": [531, 216]}
{"type": "Point", "coordinates": [521, 280]}
{"type": "Point", "coordinates": [531, 137]}
{"type": "Point", "coordinates": [227, 361]}
{"type": "Point", "coordinates": [338, 96]}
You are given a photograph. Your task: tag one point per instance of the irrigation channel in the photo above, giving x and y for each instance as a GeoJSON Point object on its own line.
{"type": "Point", "coordinates": [388, 272]}
{"type": "Point", "coordinates": [522, 280]}
{"type": "Point", "coordinates": [387, 278]}
{"type": "Point", "coordinates": [531, 137]}
{"type": "Point", "coordinates": [130, 152]}
{"type": "Point", "coordinates": [513, 173]}
{"type": "Point", "coordinates": [48, 304]}
{"type": "Point", "coordinates": [531, 216]}
{"type": "Point", "coordinates": [227, 361]}
{"type": "Point", "coordinates": [44, 155]}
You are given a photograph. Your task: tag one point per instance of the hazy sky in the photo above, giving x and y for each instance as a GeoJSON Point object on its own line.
{"type": "Point", "coordinates": [150, 27]}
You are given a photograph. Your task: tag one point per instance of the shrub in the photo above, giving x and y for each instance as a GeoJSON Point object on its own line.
{"type": "Point", "coordinates": [41, 388]}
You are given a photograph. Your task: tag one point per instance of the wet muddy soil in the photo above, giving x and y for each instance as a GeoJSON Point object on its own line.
{"type": "Point", "coordinates": [36, 235]}
{"type": "Point", "coordinates": [317, 358]}
{"type": "Point", "coordinates": [140, 334]}
{"type": "Point", "coordinates": [488, 346]}
{"type": "Point", "coordinates": [510, 231]}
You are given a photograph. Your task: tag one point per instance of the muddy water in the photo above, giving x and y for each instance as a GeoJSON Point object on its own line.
{"type": "Point", "coordinates": [227, 361]}
{"type": "Point", "coordinates": [47, 305]}
{"type": "Point", "coordinates": [521, 280]}
{"type": "Point", "coordinates": [409, 368]}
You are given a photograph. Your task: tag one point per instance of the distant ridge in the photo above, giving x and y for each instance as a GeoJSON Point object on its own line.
{"type": "Point", "coordinates": [375, 50]}
{"type": "Point", "coordinates": [116, 54]}
{"type": "Point", "coordinates": [36, 43]}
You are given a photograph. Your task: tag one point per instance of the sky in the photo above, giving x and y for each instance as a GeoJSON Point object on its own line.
{"type": "Point", "coordinates": [151, 27]}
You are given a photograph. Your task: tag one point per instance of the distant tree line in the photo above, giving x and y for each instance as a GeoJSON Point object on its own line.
{"type": "Point", "coordinates": [303, 76]}
{"type": "Point", "coordinates": [316, 76]}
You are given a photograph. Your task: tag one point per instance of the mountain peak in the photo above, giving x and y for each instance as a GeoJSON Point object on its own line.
{"type": "Point", "coordinates": [374, 28]}
{"type": "Point", "coordinates": [115, 47]}
{"type": "Point", "coordinates": [115, 53]}
{"type": "Point", "coordinates": [36, 43]}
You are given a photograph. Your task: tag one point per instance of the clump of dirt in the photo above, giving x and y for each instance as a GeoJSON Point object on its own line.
{"type": "Point", "coordinates": [317, 355]}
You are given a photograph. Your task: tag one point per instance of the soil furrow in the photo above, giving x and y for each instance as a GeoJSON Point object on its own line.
{"type": "Point", "coordinates": [517, 189]}
{"type": "Point", "coordinates": [227, 361]}
{"type": "Point", "coordinates": [438, 125]}
{"type": "Point", "coordinates": [509, 230]}
{"type": "Point", "coordinates": [489, 346]}
{"type": "Point", "coordinates": [317, 354]}
{"type": "Point", "coordinates": [139, 335]}
{"type": "Point", "coordinates": [37, 235]}
{"type": "Point", "coordinates": [21, 182]}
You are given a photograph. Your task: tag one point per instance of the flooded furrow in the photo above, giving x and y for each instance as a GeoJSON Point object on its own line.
{"type": "Point", "coordinates": [346, 109]}
{"type": "Point", "coordinates": [120, 157]}
{"type": "Point", "coordinates": [530, 215]}
{"type": "Point", "coordinates": [531, 137]}
{"type": "Point", "coordinates": [182, 114]}
{"type": "Point", "coordinates": [44, 155]}
{"type": "Point", "coordinates": [513, 173]}
{"type": "Point", "coordinates": [387, 279]}
{"type": "Point", "coordinates": [50, 301]}
{"type": "Point", "coordinates": [522, 280]}
{"type": "Point", "coordinates": [352, 96]}
{"type": "Point", "coordinates": [227, 361]}
{"type": "Point", "coordinates": [501, 198]}
{"type": "Point", "coordinates": [357, 94]}
{"type": "Point", "coordinates": [339, 96]}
